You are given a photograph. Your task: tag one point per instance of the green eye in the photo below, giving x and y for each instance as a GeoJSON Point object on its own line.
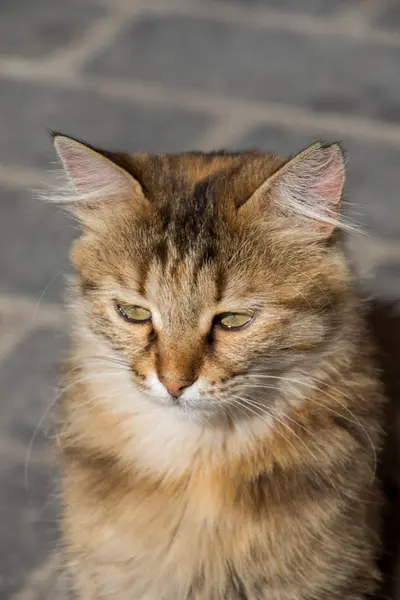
{"type": "Point", "coordinates": [133, 313]}
{"type": "Point", "coordinates": [234, 320]}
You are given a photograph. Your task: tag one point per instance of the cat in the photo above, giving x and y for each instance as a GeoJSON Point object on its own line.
{"type": "Point", "coordinates": [222, 413]}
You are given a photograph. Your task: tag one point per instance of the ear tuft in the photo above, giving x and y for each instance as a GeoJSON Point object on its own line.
{"type": "Point", "coordinates": [309, 188]}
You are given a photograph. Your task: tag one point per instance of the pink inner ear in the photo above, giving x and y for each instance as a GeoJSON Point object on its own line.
{"type": "Point", "coordinates": [328, 186]}
{"type": "Point", "coordinates": [91, 173]}
{"type": "Point", "coordinates": [78, 171]}
{"type": "Point", "coordinates": [310, 187]}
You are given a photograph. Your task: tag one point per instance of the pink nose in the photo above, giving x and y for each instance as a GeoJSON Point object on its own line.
{"type": "Point", "coordinates": [175, 386]}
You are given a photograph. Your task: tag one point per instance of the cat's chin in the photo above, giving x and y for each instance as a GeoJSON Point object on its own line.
{"type": "Point", "coordinates": [184, 406]}
{"type": "Point", "coordinates": [201, 410]}
{"type": "Point", "coordinates": [205, 412]}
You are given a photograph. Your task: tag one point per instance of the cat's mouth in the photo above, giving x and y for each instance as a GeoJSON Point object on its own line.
{"type": "Point", "coordinates": [193, 400]}
{"type": "Point", "coordinates": [202, 403]}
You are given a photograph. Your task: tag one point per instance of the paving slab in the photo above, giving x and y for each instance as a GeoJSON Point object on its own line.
{"type": "Point", "coordinates": [308, 7]}
{"type": "Point", "coordinates": [28, 475]}
{"type": "Point", "coordinates": [28, 379]}
{"type": "Point", "coordinates": [323, 72]}
{"type": "Point", "coordinates": [39, 28]}
{"type": "Point", "coordinates": [389, 17]}
{"type": "Point", "coordinates": [34, 109]}
{"type": "Point", "coordinates": [28, 522]}
{"type": "Point", "coordinates": [36, 236]}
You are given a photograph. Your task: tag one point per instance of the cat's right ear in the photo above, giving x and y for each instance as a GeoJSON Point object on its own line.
{"type": "Point", "coordinates": [95, 184]}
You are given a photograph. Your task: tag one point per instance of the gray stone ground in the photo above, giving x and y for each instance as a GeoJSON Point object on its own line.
{"type": "Point", "coordinates": [164, 75]}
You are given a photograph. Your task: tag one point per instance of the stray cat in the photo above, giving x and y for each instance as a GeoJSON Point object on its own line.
{"type": "Point", "coordinates": [222, 413]}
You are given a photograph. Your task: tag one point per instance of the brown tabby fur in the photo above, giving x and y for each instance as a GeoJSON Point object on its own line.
{"type": "Point", "coordinates": [270, 493]}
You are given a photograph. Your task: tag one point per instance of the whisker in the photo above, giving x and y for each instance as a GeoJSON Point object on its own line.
{"type": "Point", "coordinates": [45, 414]}
{"type": "Point", "coordinates": [354, 418]}
{"type": "Point", "coordinates": [110, 394]}
{"type": "Point", "coordinates": [316, 285]}
{"type": "Point", "coordinates": [116, 370]}
{"type": "Point", "coordinates": [107, 359]}
{"type": "Point", "coordinates": [317, 389]}
{"type": "Point", "coordinates": [257, 405]}
{"type": "Point", "coordinates": [87, 378]}
{"type": "Point", "coordinates": [298, 424]}
{"type": "Point", "coordinates": [44, 292]}
{"type": "Point", "coordinates": [30, 445]}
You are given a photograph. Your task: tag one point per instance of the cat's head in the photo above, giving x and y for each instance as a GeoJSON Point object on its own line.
{"type": "Point", "coordinates": [212, 279]}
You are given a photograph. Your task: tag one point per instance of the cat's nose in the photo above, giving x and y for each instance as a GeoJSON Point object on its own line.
{"type": "Point", "coordinates": [175, 386]}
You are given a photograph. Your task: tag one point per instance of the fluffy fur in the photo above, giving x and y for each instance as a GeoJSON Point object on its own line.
{"type": "Point", "coordinates": [259, 481]}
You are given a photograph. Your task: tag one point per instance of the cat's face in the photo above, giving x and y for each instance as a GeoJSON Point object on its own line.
{"type": "Point", "coordinates": [211, 302]}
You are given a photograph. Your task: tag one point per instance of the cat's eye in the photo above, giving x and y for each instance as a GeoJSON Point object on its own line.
{"type": "Point", "coordinates": [234, 320]}
{"type": "Point", "coordinates": [133, 313]}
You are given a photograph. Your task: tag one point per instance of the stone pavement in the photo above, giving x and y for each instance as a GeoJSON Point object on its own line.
{"type": "Point", "coordinates": [164, 75]}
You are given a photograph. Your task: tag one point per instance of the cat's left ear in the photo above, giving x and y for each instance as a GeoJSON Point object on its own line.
{"type": "Point", "coordinates": [96, 183]}
{"type": "Point", "coordinates": [308, 188]}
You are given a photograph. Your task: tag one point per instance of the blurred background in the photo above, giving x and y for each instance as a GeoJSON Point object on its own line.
{"type": "Point", "coordinates": [164, 75]}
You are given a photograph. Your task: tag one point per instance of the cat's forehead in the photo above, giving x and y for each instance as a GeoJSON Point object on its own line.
{"type": "Point", "coordinates": [195, 196]}
{"type": "Point", "coordinates": [190, 251]}
{"type": "Point", "coordinates": [167, 178]}
{"type": "Point", "coordinates": [192, 234]}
